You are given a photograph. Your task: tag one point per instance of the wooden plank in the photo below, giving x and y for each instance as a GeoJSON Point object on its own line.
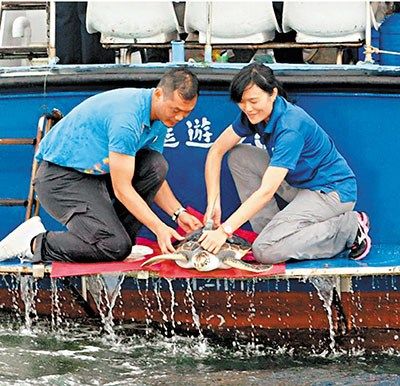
{"type": "Point", "coordinates": [12, 202]}
{"type": "Point", "coordinates": [23, 5]}
{"type": "Point", "coordinates": [303, 272]}
{"type": "Point", "coordinates": [343, 272]}
{"type": "Point", "coordinates": [23, 52]}
{"type": "Point", "coordinates": [17, 141]}
{"type": "Point", "coordinates": [23, 269]}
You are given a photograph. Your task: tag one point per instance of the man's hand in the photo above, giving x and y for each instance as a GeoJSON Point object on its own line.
{"type": "Point", "coordinates": [188, 222]}
{"type": "Point", "coordinates": [212, 241]}
{"type": "Point", "coordinates": [164, 235]}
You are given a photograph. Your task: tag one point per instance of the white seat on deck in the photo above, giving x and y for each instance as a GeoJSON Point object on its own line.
{"type": "Point", "coordinates": [325, 21]}
{"type": "Point", "coordinates": [132, 22]}
{"type": "Point", "coordinates": [232, 22]}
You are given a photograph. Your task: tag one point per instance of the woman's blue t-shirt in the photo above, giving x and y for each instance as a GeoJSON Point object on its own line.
{"type": "Point", "coordinates": [296, 142]}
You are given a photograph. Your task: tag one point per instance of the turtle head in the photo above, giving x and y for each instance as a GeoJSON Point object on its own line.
{"type": "Point", "coordinates": [205, 261]}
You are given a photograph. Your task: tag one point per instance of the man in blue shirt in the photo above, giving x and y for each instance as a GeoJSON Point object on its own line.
{"type": "Point", "coordinates": [101, 167]}
{"type": "Point", "coordinates": [301, 165]}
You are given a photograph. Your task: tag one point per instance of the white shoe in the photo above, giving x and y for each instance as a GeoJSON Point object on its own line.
{"type": "Point", "coordinates": [18, 242]}
{"type": "Point", "coordinates": [139, 251]}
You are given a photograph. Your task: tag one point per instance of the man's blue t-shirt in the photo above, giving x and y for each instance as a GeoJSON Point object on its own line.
{"type": "Point", "coordinates": [116, 120]}
{"type": "Point", "coordinates": [296, 142]}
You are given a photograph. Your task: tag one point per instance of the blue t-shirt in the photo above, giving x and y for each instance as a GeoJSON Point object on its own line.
{"type": "Point", "coordinates": [296, 142]}
{"type": "Point", "coordinates": [116, 120]}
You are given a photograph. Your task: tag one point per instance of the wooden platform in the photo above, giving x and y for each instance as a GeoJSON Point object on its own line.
{"type": "Point", "coordinates": [363, 300]}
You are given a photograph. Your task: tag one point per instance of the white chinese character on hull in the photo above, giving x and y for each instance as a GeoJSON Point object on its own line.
{"type": "Point", "coordinates": [199, 132]}
{"type": "Point", "coordinates": [170, 140]}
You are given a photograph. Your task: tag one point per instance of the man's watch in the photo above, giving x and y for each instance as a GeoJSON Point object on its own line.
{"type": "Point", "coordinates": [227, 229]}
{"type": "Point", "coordinates": [177, 213]}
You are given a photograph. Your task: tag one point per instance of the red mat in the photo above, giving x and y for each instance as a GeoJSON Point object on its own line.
{"type": "Point", "coordinates": [167, 269]}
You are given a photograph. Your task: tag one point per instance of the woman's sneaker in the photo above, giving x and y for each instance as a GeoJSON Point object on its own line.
{"type": "Point", "coordinates": [362, 243]}
{"type": "Point", "coordinates": [18, 242]}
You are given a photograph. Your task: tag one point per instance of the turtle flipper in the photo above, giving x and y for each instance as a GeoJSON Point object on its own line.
{"type": "Point", "coordinates": [170, 256]}
{"type": "Point", "coordinates": [235, 263]}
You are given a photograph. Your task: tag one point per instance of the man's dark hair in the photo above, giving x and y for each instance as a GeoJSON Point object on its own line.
{"type": "Point", "coordinates": [180, 79]}
{"type": "Point", "coordinates": [258, 74]}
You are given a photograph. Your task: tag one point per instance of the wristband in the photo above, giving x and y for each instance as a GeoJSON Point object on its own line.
{"type": "Point", "coordinates": [177, 213]}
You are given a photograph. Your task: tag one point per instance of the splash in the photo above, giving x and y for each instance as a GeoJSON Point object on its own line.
{"type": "Point", "coordinates": [147, 304]}
{"type": "Point", "coordinates": [172, 307]}
{"type": "Point", "coordinates": [325, 287]}
{"type": "Point", "coordinates": [28, 290]}
{"type": "Point", "coordinates": [159, 299]}
{"type": "Point", "coordinates": [202, 342]}
{"type": "Point", "coordinates": [105, 290]}
{"type": "Point", "coordinates": [55, 307]}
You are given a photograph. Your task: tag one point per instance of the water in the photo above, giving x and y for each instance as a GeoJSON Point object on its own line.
{"type": "Point", "coordinates": [80, 354]}
{"type": "Point", "coordinates": [325, 287]}
{"type": "Point", "coordinates": [58, 351]}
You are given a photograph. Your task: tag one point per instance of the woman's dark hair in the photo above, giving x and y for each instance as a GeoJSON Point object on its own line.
{"type": "Point", "coordinates": [180, 79]}
{"type": "Point", "coordinates": [258, 74]}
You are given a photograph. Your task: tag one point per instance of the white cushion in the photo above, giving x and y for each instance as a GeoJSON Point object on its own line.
{"type": "Point", "coordinates": [232, 22]}
{"type": "Point", "coordinates": [138, 22]}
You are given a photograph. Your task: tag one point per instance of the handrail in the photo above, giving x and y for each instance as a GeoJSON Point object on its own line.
{"type": "Point", "coordinates": [45, 123]}
{"type": "Point", "coordinates": [191, 45]}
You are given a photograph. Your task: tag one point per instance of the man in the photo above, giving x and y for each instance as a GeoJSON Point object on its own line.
{"type": "Point", "coordinates": [74, 44]}
{"type": "Point", "coordinates": [101, 168]}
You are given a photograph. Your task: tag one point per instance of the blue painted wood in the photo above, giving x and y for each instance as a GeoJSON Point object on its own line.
{"type": "Point", "coordinates": [364, 127]}
{"type": "Point", "coordinates": [381, 255]}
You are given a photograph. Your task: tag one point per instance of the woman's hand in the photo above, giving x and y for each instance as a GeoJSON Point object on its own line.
{"type": "Point", "coordinates": [164, 235]}
{"type": "Point", "coordinates": [212, 241]}
{"type": "Point", "coordinates": [188, 222]}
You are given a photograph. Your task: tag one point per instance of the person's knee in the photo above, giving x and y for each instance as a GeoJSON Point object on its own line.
{"type": "Point", "coordinates": [267, 253]}
{"type": "Point", "coordinates": [115, 248]}
{"type": "Point", "coordinates": [236, 156]}
{"type": "Point", "coordinates": [158, 166]}
{"type": "Point", "coordinates": [260, 253]}
{"type": "Point", "coordinates": [122, 248]}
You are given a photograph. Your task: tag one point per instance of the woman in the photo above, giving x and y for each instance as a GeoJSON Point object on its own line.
{"type": "Point", "coordinates": [301, 165]}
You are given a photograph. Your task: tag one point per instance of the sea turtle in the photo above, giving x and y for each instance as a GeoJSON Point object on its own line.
{"type": "Point", "coordinates": [190, 254]}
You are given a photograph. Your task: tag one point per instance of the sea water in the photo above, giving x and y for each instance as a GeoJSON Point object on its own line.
{"type": "Point", "coordinates": [85, 354]}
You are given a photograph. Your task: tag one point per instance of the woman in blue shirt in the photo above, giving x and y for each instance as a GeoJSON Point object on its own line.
{"type": "Point", "coordinates": [301, 165]}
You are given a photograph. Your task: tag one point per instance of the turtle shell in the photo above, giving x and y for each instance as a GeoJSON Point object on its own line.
{"type": "Point", "coordinates": [190, 254]}
{"type": "Point", "coordinates": [238, 245]}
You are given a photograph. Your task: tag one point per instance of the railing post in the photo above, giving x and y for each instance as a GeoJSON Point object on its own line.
{"type": "Point", "coordinates": [52, 30]}
{"type": "Point", "coordinates": [368, 38]}
{"type": "Point", "coordinates": [208, 48]}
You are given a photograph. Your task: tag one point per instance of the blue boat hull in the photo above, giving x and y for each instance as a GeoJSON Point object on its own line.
{"type": "Point", "coordinates": [357, 106]}
{"type": "Point", "coordinates": [272, 312]}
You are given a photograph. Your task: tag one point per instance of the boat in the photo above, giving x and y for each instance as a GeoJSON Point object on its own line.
{"type": "Point", "coordinates": [328, 304]}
